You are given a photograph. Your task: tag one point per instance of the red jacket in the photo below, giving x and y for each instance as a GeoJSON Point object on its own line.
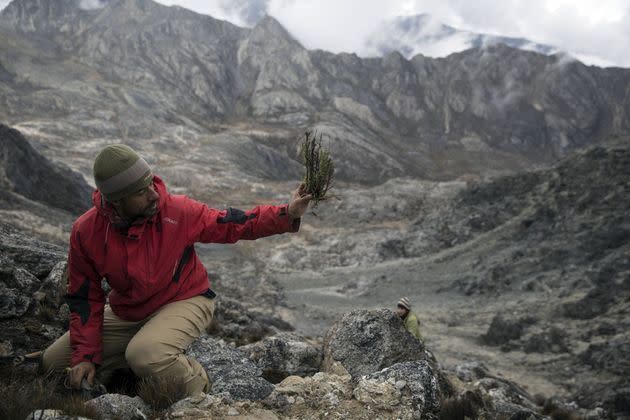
{"type": "Point", "coordinates": [150, 263]}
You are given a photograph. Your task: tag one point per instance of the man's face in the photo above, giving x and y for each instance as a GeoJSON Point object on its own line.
{"type": "Point", "coordinates": [401, 312]}
{"type": "Point", "coordinates": [143, 203]}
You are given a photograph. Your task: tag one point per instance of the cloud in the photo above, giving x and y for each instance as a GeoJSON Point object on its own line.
{"type": "Point", "coordinates": [594, 31]}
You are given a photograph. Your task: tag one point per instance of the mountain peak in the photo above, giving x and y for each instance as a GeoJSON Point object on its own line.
{"type": "Point", "coordinates": [270, 25]}
{"type": "Point", "coordinates": [47, 15]}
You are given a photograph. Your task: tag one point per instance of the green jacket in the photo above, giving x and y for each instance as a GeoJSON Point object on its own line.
{"type": "Point", "coordinates": [412, 325]}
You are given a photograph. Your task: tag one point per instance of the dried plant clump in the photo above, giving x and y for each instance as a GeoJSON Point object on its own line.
{"type": "Point", "coordinates": [161, 393]}
{"type": "Point", "coordinates": [22, 392]}
{"type": "Point", "coordinates": [319, 167]}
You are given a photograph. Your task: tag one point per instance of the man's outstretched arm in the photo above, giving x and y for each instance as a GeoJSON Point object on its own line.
{"type": "Point", "coordinates": [228, 226]}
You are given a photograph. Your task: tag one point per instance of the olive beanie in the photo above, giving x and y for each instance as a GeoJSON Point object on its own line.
{"type": "Point", "coordinates": [119, 172]}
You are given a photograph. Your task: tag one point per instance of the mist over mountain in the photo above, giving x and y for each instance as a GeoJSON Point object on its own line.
{"type": "Point", "coordinates": [423, 34]}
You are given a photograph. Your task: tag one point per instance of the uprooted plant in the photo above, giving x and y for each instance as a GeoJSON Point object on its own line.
{"type": "Point", "coordinates": [319, 167]}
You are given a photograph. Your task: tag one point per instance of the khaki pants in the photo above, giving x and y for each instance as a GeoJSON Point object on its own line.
{"type": "Point", "coordinates": [153, 347]}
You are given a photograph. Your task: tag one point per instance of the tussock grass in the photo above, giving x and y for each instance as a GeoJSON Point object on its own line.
{"type": "Point", "coordinates": [24, 391]}
{"type": "Point", "coordinates": [46, 312]}
{"type": "Point", "coordinates": [319, 167]}
{"type": "Point", "coordinates": [161, 393]}
{"type": "Point", "coordinates": [457, 408]}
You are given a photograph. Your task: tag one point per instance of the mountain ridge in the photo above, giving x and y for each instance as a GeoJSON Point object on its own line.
{"type": "Point", "coordinates": [145, 70]}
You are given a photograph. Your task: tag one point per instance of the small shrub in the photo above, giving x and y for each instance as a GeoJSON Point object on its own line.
{"type": "Point", "coordinates": [161, 393]}
{"type": "Point", "coordinates": [319, 167]}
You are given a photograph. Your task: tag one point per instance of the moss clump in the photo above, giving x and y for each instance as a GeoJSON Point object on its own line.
{"type": "Point", "coordinates": [319, 167]}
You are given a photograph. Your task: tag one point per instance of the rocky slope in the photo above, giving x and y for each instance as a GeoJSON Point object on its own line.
{"type": "Point", "coordinates": [527, 273]}
{"type": "Point", "coordinates": [37, 195]}
{"type": "Point", "coordinates": [281, 376]}
{"type": "Point", "coordinates": [181, 84]}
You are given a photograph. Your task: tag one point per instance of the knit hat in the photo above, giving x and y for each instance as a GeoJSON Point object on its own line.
{"type": "Point", "coordinates": [404, 302]}
{"type": "Point", "coordinates": [119, 172]}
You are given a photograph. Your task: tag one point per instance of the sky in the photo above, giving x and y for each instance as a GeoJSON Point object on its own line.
{"type": "Point", "coordinates": [594, 31]}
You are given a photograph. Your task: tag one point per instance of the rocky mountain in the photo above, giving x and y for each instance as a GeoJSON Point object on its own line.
{"type": "Point", "coordinates": [423, 34]}
{"type": "Point", "coordinates": [234, 99]}
{"type": "Point", "coordinates": [37, 195]}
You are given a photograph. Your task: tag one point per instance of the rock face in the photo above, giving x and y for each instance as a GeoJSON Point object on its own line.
{"type": "Point", "coordinates": [120, 406]}
{"type": "Point", "coordinates": [30, 301]}
{"type": "Point", "coordinates": [365, 342]}
{"type": "Point", "coordinates": [29, 174]}
{"type": "Point", "coordinates": [416, 382]}
{"type": "Point", "coordinates": [229, 370]}
{"type": "Point", "coordinates": [283, 355]}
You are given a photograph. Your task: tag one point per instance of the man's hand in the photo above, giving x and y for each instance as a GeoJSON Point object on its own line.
{"type": "Point", "coordinates": [299, 202]}
{"type": "Point", "coordinates": [80, 371]}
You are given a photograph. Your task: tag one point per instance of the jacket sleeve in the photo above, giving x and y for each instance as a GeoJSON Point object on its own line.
{"type": "Point", "coordinates": [86, 300]}
{"type": "Point", "coordinates": [228, 226]}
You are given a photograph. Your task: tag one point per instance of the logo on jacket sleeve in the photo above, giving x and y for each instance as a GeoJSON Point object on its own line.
{"type": "Point", "coordinates": [171, 221]}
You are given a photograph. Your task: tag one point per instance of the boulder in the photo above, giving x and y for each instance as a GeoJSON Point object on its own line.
{"type": "Point", "coordinates": [503, 330]}
{"type": "Point", "coordinates": [229, 370]}
{"type": "Point", "coordinates": [283, 355]}
{"type": "Point", "coordinates": [50, 414]}
{"type": "Point", "coordinates": [120, 406]}
{"type": "Point", "coordinates": [416, 382]}
{"type": "Point", "coordinates": [237, 323]}
{"type": "Point", "coordinates": [367, 341]}
{"type": "Point", "coordinates": [471, 371]}
{"type": "Point", "coordinates": [53, 287]}
{"type": "Point", "coordinates": [32, 255]}
{"type": "Point", "coordinates": [16, 289]}
{"type": "Point", "coordinates": [320, 393]}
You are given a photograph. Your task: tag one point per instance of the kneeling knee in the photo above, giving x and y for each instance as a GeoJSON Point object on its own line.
{"type": "Point", "coordinates": [145, 359]}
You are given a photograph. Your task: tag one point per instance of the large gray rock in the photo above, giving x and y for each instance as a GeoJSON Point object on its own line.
{"type": "Point", "coordinates": [417, 382]}
{"type": "Point", "coordinates": [51, 414]}
{"type": "Point", "coordinates": [283, 355]}
{"type": "Point", "coordinates": [120, 406]}
{"type": "Point", "coordinates": [229, 370]}
{"type": "Point", "coordinates": [16, 289]}
{"type": "Point", "coordinates": [25, 252]}
{"type": "Point", "coordinates": [366, 341]}
{"type": "Point", "coordinates": [53, 287]}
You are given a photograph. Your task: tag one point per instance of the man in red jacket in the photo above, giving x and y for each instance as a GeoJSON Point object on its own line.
{"type": "Point", "coordinates": [140, 239]}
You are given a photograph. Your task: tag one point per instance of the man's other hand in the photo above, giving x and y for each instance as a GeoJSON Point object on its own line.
{"type": "Point", "coordinates": [299, 202]}
{"type": "Point", "coordinates": [80, 371]}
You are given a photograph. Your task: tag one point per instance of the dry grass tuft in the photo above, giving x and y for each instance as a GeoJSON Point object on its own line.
{"type": "Point", "coordinates": [161, 393]}
{"type": "Point", "coordinates": [319, 167]}
{"type": "Point", "coordinates": [22, 392]}
{"type": "Point", "coordinates": [46, 312]}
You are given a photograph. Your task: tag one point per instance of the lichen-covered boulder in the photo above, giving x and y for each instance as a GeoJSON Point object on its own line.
{"type": "Point", "coordinates": [16, 288]}
{"type": "Point", "coordinates": [52, 289]}
{"type": "Point", "coordinates": [416, 383]}
{"type": "Point", "coordinates": [283, 355]}
{"type": "Point", "coordinates": [367, 341]}
{"type": "Point", "coordinates": [120, 406]}
{"type": "Point", "coordinates": [229, 370]}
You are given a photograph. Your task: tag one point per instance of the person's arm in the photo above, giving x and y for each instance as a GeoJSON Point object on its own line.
{"type": "Point", "coordinates": [86, 300]}
{"type": "Point", "coordinates": [228, 226]}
